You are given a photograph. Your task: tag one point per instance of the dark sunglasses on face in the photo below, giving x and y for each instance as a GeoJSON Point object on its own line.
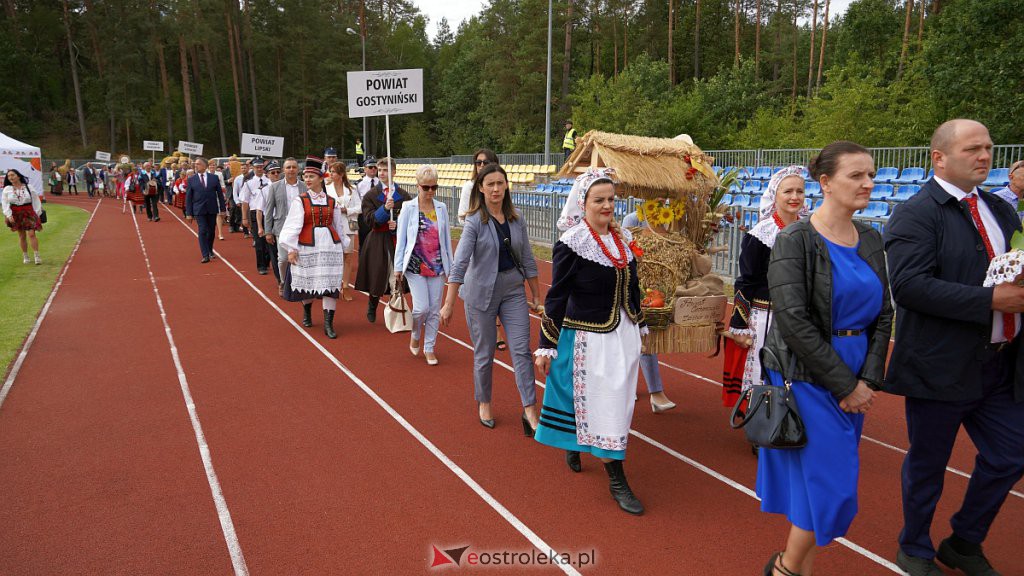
{"type": "Point", "coordinates": [429, 188]}
{"type": "Point", "coordinates": [482, 162]}
{"type": "Point", "coordinates": [275, 171]}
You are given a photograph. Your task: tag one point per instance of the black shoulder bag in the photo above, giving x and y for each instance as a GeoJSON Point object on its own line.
{"type": "Point", "coordinates": [772, 419]}
{"type": "Point", "coordinates": [506, 241]}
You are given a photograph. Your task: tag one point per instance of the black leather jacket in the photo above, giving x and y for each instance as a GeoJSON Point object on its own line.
{"type": "Point", "coordinates": [800, 281]}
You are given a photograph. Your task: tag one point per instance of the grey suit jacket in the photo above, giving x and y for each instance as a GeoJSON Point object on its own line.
{"type": "Point", "coordinates": [476, 259]}
{"type": "Point", "coordinates": [275, 209]}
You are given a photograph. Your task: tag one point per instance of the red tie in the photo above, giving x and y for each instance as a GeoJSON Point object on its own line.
{"type": "Point", "coordinates": [1009, 326]}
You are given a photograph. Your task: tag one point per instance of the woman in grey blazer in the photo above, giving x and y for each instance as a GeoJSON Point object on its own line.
{"type": "Point", "coordinates": [491, 262]}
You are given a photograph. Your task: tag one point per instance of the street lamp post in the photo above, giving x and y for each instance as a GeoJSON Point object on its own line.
{"type": "Point", "coordinates": [362, 40]}
{"type": "Point", "coordinates": [547, 99]}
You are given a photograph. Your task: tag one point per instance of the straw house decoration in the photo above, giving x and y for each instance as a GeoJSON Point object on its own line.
{"type": "Point", "coordinates": [674, 262]}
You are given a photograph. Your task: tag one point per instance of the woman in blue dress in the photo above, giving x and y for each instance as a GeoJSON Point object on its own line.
{"type": "Point", "coordinates": [832, 311]}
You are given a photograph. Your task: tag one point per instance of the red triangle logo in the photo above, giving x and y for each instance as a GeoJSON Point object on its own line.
{"type": "Point", "coordinates": [439, 558]}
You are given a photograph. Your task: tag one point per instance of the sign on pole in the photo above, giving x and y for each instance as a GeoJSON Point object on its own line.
{"type": "Point", "coordinates": [153, 145]}
{"type": "Point", "coordinates": [190, 147]}
{"type": "Point", "coordinates": [385, 92]}
{"type": "Point", "coordinates": [260, 145]}
{"type": "Point", "coordinates": [103, 156]}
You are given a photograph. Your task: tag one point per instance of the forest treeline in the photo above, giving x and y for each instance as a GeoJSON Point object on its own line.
{"type": "Point", "coordinates": [82, 75]}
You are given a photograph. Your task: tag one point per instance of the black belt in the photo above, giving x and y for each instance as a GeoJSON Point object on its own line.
{"type": "Point", "coordinates": [846, 333]}
{"type": "Point", "coordinates": [998, 346]}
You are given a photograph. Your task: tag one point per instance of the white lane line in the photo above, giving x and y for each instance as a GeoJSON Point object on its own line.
{"type": "Point", "coordinates": [875, 441]}
{"type": "Point", "coordinates": [504, 512]}
{"type": "Point", "coordinates": [223, 514]}
{"type": "Point", "coordinates": [16, 368]}
{"type": "Point", "coordinates": [707, 470]}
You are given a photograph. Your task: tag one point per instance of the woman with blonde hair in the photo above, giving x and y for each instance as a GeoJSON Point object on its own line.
{"type": "Point", "coordinates": [423, 256]}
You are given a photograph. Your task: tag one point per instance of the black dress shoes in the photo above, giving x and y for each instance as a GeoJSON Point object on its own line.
{"type": "Point", "coordinates": [915, 566]}
{"type": "Point", "coordinates": [974, 564]}
{"type": "Point", "coordinates": [572, 459]}
{"type": "Point", "coordinates": [488, 423]}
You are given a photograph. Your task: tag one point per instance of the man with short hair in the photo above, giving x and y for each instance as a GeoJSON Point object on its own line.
{"type": "Point", "coordinates": [359, 151]}
{"type": "Point", "coordinates": [150, 193]}
{"type": "Point", "coordinates": [237, 218]}
{"type": "Point", "coordinates": [1013, 191]}
{"type": "Point", "coordinates": [90, 180]}
{"type": "Point", "coordinates": [368, 182]}
{"type": "Point", "coordinates": [252, 197]}
{"type": "Point", "coordinates": [204, 199]}
{"type": "Point", "coordinates": [275, 210]}
{"type": "Point", "coordinates": [957, 353]}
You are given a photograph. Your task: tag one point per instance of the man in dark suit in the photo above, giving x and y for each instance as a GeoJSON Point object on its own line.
{"type": "Point", "coordinates": [204, 199]}
{"type": "Point", "coordinates": [90, 180]}
{"type": "Point", "coordinates": [957, 353]}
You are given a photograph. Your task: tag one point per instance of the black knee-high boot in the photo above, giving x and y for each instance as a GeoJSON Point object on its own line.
{"type": "Point", "coordinates": [371, 309]}
{"type": "Point", "coordinates": [307, 315]}
{"type": "Point", "coordinates": [329, 324]}
{"type": "Point", "coordinates": [620, 488]}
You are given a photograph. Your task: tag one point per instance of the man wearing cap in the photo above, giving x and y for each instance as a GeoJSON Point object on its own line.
{"type": "Point", "coordinates": [275, 209]}
{"type": "Point", "coordinates": [330, 157]}
{"type": "Point", "coordinates": [252, 198]}
{"type": "Point", "coordinates": [569, 141]}
{"type": "Point", "coordinates": [368, 182]}
{"type": "Point", "coordinates": [1013, 192]}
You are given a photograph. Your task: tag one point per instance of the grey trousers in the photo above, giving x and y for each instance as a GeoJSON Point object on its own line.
{"type": "Point", "coordinates": [509, 303]}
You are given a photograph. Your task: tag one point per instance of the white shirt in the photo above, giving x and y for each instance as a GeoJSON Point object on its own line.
{"type": "Point", "coordinates": [350, 200]}
{"type": "Point", "coordinates": [365, 185]}
{"type": "Point", "coordinates": [291, 190]}
{"type": "Point", "coordinates": [18, 197]}
{"type": "Point", "coordinates": [467, 191]}
{"type": "Point", "coordinates": [236, 188]}
{"type": "Point", "coordinates": [254, 192]}
{"type": "Point", "coordinates": [995, 237]}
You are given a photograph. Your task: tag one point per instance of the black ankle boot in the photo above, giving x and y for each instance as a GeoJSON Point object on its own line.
{"type": "Point", "coordinates": [371, 309]}
{"type": "Point", "coordinates": [572, 458]}
{"type": "Point", "coordinates": [620, 488]}
{"type": "Point", "coordinates": [329, 324]}
{"type": "Point", "coordinates": [307, 315]}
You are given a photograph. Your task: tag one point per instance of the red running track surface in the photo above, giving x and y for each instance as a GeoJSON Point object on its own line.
{"type": "Point", "coordinates": [103, 474]}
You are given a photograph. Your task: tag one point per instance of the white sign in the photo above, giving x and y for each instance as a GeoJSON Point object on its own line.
{"type": "Point", "coordinates": [153, 145]}
{"type": "Point", "coordinates": [260, 145]}
{"type": "Point", "coordinates": [104, 156]}
{"type": "Point", "coordinates": [385, 92]}
{"type": "Point", "coordinates": [189, 147]}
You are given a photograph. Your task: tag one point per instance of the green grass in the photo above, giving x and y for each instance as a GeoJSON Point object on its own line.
{"type": "Point", "coordinates": [24, 288]}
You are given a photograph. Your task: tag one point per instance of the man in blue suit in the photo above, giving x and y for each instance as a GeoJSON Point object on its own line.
{"type": "Point", "coordinates": [957, 357]}
{"type": "Point", "coordinates": [204, 199]}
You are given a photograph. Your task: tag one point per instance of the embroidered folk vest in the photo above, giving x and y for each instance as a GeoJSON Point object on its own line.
{"type": "Point", "coordinates": [316, 216]}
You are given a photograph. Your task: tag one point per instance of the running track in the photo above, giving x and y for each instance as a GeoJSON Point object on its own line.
{"type": "Point", "coordinates": [172, 417]}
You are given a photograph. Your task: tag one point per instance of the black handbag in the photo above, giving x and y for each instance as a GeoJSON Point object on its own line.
{"type": "Point", "coordinates": [42, 217]}
{"type": "Point", "coordinates": [772, 419]}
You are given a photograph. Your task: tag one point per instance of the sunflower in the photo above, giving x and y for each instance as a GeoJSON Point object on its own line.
{"type": "Point", "coordinates": [640, 213]}
{"type": "Point", "coordinates": [665, 215]}
{"type": "Point", "coordinates": [678, 209]}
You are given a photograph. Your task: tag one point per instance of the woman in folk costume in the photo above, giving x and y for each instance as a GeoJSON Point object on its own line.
{"type": "Point", "coordinates": [380, 210]}
{"type": "Point", "coordinates": [179, 187]}
{"type": "Point", "coordinates": [314, 235]}
{"type": "Point", "coordinates": [134, 186]}
{"type": "Point", "coordinates": [22, 208]}
{"type": "Point", "coordinates": [781, 205]}
{"type": "Point", "coordinates": [590, 335]}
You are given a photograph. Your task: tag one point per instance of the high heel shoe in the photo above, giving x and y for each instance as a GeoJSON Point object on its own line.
{"type": "Point", "coordinates": [528, 429]}
{"type": "Point", "coordinates": [772, 566]}
{"type": "Point", "coordinates": [659, 408]}
{"type": "Point", "coordinates": [431, 359]}
{"type": "Point", "coordinates": [487, 422]}
{"type": "Point", "coordinates": [414, 349]}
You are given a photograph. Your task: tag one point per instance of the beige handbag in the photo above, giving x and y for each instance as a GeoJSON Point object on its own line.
{"type": "Point", "coordinates": [397, 315]}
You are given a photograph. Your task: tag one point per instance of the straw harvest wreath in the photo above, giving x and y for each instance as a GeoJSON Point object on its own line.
{"type": "Point", "coordinates": [1008, 267]}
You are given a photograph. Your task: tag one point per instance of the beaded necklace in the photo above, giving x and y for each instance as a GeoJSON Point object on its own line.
{"type": "Point", "coordinates": [620, 261]}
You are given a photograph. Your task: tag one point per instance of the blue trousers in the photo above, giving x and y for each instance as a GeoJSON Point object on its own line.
{"type": "Point", "coordinates": [652, 373]}
{"type": "Point", "coordinates": [996, 426]}
{"type": "Point", "coordinates": [207, 226]}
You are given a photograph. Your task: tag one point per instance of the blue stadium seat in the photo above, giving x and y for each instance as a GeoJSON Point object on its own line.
{"type": "Point", "coordinates": [912, 175]}
{"type": "Point", "coordinates": [751, 187]}
{"type": "Point", "coordinates": [728, 169]}
{"type": "Point", "coordinates": [749, 219]}
{"type": "Point", "coordinates": [748, 172]}
{"type": "Point", "coordinates": [719, 170]}
{"type": "Point", "coordinates": [817, 203]}
{"type": "Point", "coordinates": [905, 192]}
{"type": "Point", "coordinates": [740, 200]}
{"type": "Point", "coordinates": [876, 210]}
{"type": "Point", "coordinates": [726, 200]}
{"type": "Point", "coordinates": [809, 203]}
{"type": "Point", "coordinates": [735, 188]}
{"type": "Point", "coordinates": [881, 192]}
{"type": "Point", "coordinates": [887, 174]}
{"type": "Point", "coordinates": [812, 190]}
{"type": "Point", "coordinates": [928, 177]}
{"type": "Point", "coordinates": [998, 177]}
{"type": "Point", "coordinates": [763, 173]}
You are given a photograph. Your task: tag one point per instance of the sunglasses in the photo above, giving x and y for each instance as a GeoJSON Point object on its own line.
{"type": "Point", "coordinates": [430, 188]}
{"type": "Point", "coordinates": [275, 171]}
{"type": "Point", "coordinates": [482, 162]}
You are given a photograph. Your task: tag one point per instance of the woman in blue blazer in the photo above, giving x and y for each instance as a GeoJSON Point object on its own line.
{"type": "Point", "coordinates": [423, 254]}
{"type": "Point", "coordinates": [491, 262]}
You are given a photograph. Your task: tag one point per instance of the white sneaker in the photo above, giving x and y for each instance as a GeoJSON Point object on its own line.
{"type": "Point", "coordinates": [24, 258]}
{"type": "Point", "coordinates": [38, 259]}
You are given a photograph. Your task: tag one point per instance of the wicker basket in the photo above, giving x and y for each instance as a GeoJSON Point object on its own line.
{"type": "Point", "coordinates": [659, 318]}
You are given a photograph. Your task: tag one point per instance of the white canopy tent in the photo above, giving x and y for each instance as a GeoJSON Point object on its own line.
{"type": "Point", "coordinates": [24, 158]}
